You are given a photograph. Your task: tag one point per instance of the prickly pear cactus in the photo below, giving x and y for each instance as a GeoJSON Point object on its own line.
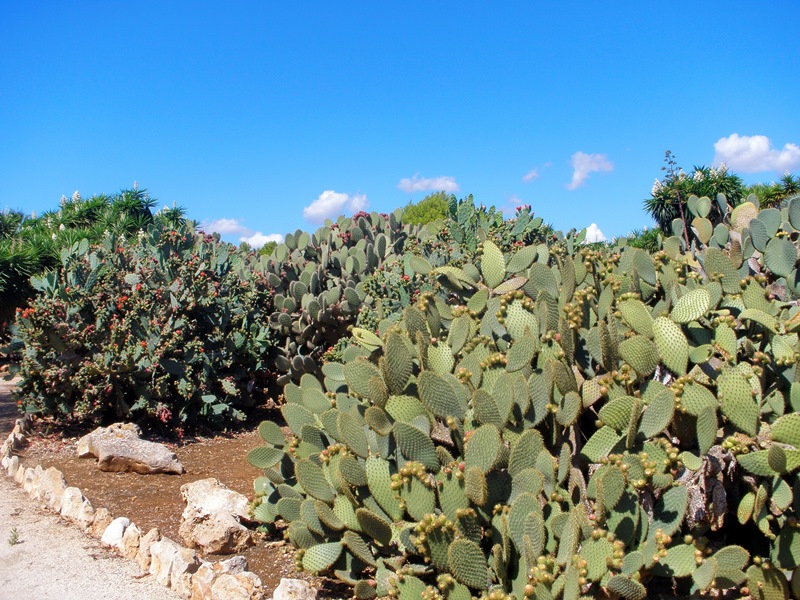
{"type": "Point", "coordinates": [560, 421]}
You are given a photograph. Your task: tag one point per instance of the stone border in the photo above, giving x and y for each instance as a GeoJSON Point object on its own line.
{"type": "Point", "coordinates": [172, 565]}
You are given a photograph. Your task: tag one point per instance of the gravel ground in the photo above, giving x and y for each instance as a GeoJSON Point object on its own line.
{"type": "Point", "coordinates": [53, 559]}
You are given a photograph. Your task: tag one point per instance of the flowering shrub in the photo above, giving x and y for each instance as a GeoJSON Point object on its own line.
{"type": "Point", "coordinates": [170, 328]}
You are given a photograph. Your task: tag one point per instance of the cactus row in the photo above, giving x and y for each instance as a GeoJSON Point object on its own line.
{"type": "Point", "coordinates": [554, 420]}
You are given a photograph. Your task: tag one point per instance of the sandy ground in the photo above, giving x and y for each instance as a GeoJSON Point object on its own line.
{"type": "Point", "coordinates": [53, 559]}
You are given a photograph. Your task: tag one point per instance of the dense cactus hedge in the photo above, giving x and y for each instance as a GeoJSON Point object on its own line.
{"type": "Point", "coordinates": [553, 420]}
{"type": "Point", "coordinates": [167, 327]}
{"type": "Point", "coordinates": [476, 407]}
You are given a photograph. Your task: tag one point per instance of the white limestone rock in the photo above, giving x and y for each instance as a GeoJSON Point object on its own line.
{"type": "Point", "coordinates": [112, 536]}
{"type": "Point", "coordinates": [213, 517]}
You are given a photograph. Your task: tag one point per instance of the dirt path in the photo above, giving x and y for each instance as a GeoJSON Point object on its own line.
{"type": "Point", "coordinates": [53, 559]}
{"type": "Point", "coordinates": [149, 501]}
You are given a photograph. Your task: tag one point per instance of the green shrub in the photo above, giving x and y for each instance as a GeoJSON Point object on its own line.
{"type": "Point", "coordinates": [168, 328]}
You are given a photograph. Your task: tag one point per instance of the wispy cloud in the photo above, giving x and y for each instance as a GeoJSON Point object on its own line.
{"type": "Point", "coordinates": [531, 175]}
{"type": "Point", "coordinates": [755, 153]}
{"type": "Point", "coordinates": [235, 227]}
{"type": "Point", "coordinates": [593, 234]}
{"type": "Point", "coordinates": [585, 164]}
{"type": "Point", "coordinates": [428, 184]}
{"type": "Point", "coordinates": [536, 172]}
{"type": "Point", "coordinates": [331, 204]}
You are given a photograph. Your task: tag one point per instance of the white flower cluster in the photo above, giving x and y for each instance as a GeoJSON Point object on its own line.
{"type": "Point", "coordinates": [76, 196]}
{"type": "Point", "coordinates": [720, 171]}
{"type": "Point", "coordinates": [141, 234]}
{"type": "Point", "coordinates": [657, 187]}
{"type": "Point", "coordinates": [64, 201]}
{"type": "Point", "coordinates": [698, 176]}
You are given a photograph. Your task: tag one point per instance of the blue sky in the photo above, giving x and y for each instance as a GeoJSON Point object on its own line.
{"type": "Point", "coordinates": [263, 117]}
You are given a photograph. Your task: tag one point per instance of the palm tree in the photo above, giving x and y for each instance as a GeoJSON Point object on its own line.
{"type": "Point", "coordinates": [668, 197]}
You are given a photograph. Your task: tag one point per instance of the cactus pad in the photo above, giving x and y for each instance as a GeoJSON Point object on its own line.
{"type": "Point", "coordinates": [415, 444]}
{"type": "Point", "coordinates": [691, 306]}
{"type": "Point", "coordinates": [637, 316]}
{"type": "Point", "coordinates": [271, 433]}
{"type": "Point", "coordinates": [780, 256]}
{"type": "Point", "coordinates": [672, 345]}
{"type": "Point", "coordinates": [264, 457]}
{"type": "Point", "coordinates": [626, 588]}
{"type": "Point", "coordinates": [641, 354]}
{"type": "Point", "coordinates": [679, 562]}
{"type": "Point", "coordinates": [483, 448]}
{"type": "Point", "coordinates": [493, 265]}
{"type": "Point", "coordinates": [398, 363]}
{"type": "Point", "coordinates": [736, 401]}
{"type": "Point", "coordinates": [468, 564]}
{"type": "Point", "coordinates": [374, 526]}
{"type": "Point", "coordinates": [321, 557]}
{"type": "Point", "coordinates": [438, 395]}
{"type": "Point", "coordinates": [670, 510]}
{"type": "Point", "coordinates": [658, 414]}
{"type": "Point", "coordinates": [787, 430]}
{"type": "Point", "coordinates": [311, 477]}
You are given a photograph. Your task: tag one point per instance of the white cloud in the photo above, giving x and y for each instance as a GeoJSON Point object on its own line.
{"type": "Point", "coordinates": [225, 226]}
{"type": "Point", "coordinates": [331, 204]}
{"type": "Point", "coordinates": [593, 234]}
{"type": "Point", "coordinates": [755, 153]}
{"type": "Point", "coordinates": [531, 175]}
{"type": "Point", "coordinates": [426, 184]}
{"type": "Point", "coordinates": [258, 239]}
{"type": "Point", "coordinates": [584, 164]}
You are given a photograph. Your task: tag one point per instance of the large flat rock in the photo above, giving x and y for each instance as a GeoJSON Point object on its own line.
{"type": "Point", "coordinates": [120, 448]}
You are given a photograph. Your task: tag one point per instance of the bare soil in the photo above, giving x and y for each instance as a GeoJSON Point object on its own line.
{"type": "Point", "coordinates": [155, 500]}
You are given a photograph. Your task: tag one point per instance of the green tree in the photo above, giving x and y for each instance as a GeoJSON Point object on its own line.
{"type": "Point", "coordinates": [430, 208]}
{"type": "Point", "coordinates": [268, 248]}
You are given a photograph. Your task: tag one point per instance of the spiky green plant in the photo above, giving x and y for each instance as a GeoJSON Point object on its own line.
{"type": "Point", "coordinates": [544, 431]}
{"type": "Point", "coordinates": [166, 327]}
